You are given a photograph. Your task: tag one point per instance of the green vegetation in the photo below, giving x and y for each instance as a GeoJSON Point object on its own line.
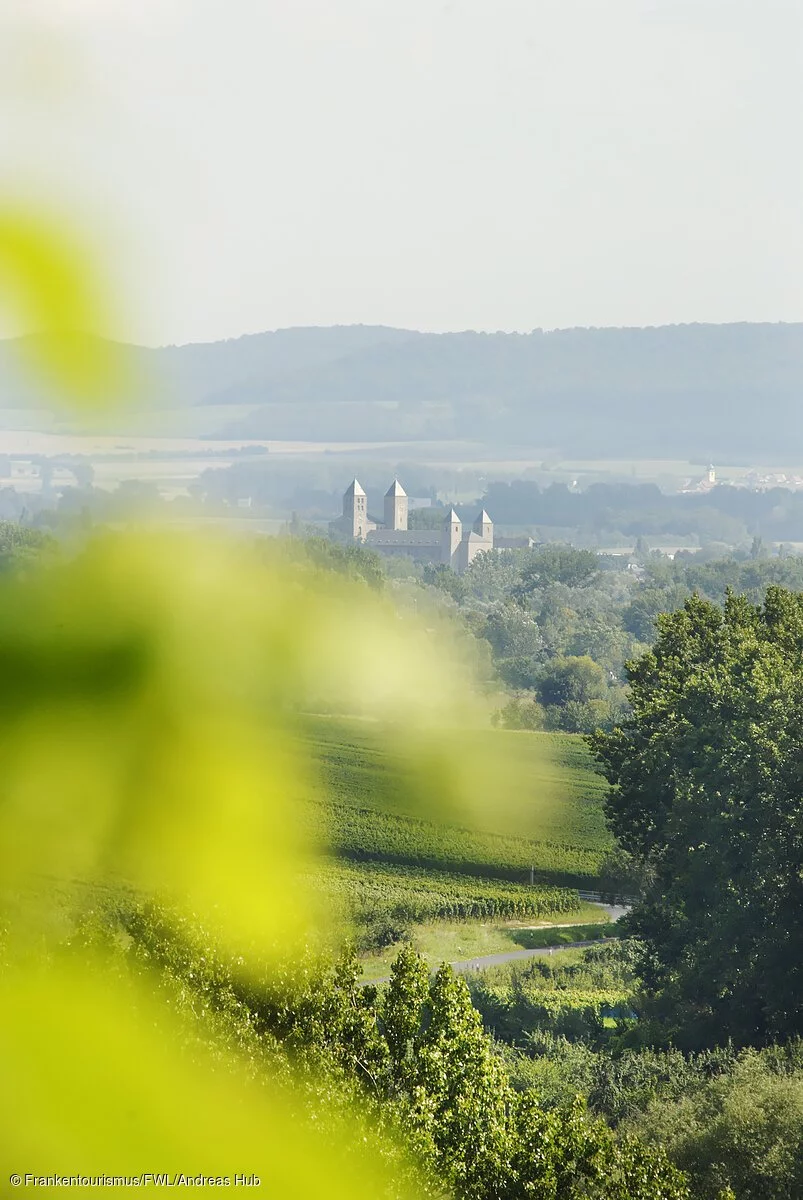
{"type": "Point", "coordinates": [731, 1120]}
{"type": "Point", "coordinates": [459, 941]}
{"type": "Point", "coordinates": [562, 623]}
{"type": "Point", "coordinates": [705, 795]}
{"type": "Point", "coordinates": [377, 893]}
{"type": "Point", "coordinates": [413, 1057]}
{"type": "Point", "coordinates": [21, 546]}
{"type": "Point", "coordinates": [531, 939]}
{"type": "Point", "coordinates": [368, 810]}
{"type": "Point", "coordinates": [705, 778]}
{"type": "Point", "coordinates": [570, 993]}
{"type": "Point", "coordinates": [553, 619]}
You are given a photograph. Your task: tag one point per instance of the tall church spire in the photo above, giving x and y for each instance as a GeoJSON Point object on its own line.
{"type": "Point", "coordinates": [395, 507]}
{"type": "Point", "coordinates": [451, 538]}
{"type": "Point", "coordinates": [355, 512]}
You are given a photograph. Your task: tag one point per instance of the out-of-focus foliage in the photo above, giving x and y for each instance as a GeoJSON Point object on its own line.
{"type": "Point", "coordinates": [51, 287]}
{"type": "Point", "coordinates": [166, 677]}
{"type": "Point", "coordinates": [155, 693]}
{"type": "Point", "coordinates": [365, 810]}
{"type": "Point", "coordinates": [413, 1057]}
{"type": "Point", "coordinates": [100, 1081]}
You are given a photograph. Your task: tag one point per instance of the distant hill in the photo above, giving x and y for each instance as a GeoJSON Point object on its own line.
{"type": "Point", "coordinates": [673, 391]}
{"type": "Point", "coordinates": [215, 372]}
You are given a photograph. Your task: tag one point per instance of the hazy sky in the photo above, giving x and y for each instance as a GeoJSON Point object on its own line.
{"type": "Point", "coordinates": [437, 164]}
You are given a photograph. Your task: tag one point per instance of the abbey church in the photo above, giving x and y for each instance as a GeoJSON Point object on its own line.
{"type": "Point", "coordinates": [451, 545]}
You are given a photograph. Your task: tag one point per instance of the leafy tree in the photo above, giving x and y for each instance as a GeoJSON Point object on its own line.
{"type": "Point", "coordinates": [641, 550]}
{"type": "Point", "coordinates": [757, 548]}
{"type": "Point", "coordinates": [740, 1130]}
{"type": "Point", "coordinates": [521, 713]}
{"type": "Point", "coordinates": [583, 716]}
{"type": "Point", "coordinates": [445, 580]}
{"type": "Point", "coordinates": [484, 1140]}
{"type": "Point", "coordinates": [572, 679]}
{"type": "Point", "coordinates": [353, 560]}
{"type": "Point", "coordinates": [491, 576]}
{"type": "Point", "coordinates": [556, 564]}
{"type": "Point", "coordinates": [638, 618]}
{"type": "Point", "coordinates": [705, 792]}
{"type": "Point", "coordinates": [416, 1054]}
{"type": "Point", "coordinates": [513, 633]}
{"type": "Point", "coordinates": [426, 518]}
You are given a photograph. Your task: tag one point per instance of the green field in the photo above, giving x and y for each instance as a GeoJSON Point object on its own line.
{"type": "Point", "coordinates": [415, 895]}
{"type": "Point", "coordinates": [367, 811]}
{"type": "Point", "coordinates": [458, 941]}
{"type": "Point", "coordinates": [454, 888]}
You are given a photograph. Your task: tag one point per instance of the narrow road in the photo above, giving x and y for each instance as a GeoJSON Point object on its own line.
{"type": "Point", "coordinates": [505, 956]}
{"type": "Point", "coordinates": [496, 960]}
{"type": "Point", "coordinates": [614, 911]}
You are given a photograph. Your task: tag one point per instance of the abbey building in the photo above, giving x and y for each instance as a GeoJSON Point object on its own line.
{"type": "Point", "coordinates": [451, 545]}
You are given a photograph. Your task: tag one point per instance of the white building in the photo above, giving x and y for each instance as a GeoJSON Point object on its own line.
{"type": "Point", "coordinates": [451, 545]}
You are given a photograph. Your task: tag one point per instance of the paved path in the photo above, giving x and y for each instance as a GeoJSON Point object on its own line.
{"type": "Point", "coordinates": [614, 911]}
{"type": "Point", "coordinates": [506, 956]}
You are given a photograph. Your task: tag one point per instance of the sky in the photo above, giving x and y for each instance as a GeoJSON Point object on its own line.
{"type": "Point", "coordinates": [243, 165]}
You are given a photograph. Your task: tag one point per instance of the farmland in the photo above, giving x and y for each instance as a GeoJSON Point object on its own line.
{"type": "Point", "coordinates": [471, 942]}
{"type": "Point", "coordinates": [367, 814]}
{"type": "Point", "coordinates": [424, 895]}
{"type": "Point", "coordinates": [393, 868]}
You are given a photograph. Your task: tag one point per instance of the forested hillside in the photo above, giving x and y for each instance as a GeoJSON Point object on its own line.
{"type": "Point", "coordinates": [680, 390]}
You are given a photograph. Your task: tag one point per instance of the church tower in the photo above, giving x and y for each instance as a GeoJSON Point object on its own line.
{"type": "Point", "coordinates": [355, 512]}
{"type": "Point", "coordinates": [451, 537]}
{"type": "Point", "coordinates": [395, 506]}
{"type": "Point", "coordinates": [484, 526]}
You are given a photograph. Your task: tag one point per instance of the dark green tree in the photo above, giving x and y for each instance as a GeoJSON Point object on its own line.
{"type": "Point", "coordinates": [445, 580]}
{"type": "Point", "coordinates": [414, 1058]}
{"type": "Point", "coordinates": [572, 679]}
{"type": "Point", "coordinates": [641, 550]}
{"type": "Point", "coordinates": [353, 560]}
{"type": "Point", "coordinates": [555, 564]}
{"type": "Point", "coordinates": [639, 616]}
{"type": "Point", "coordinates": [706, 787]}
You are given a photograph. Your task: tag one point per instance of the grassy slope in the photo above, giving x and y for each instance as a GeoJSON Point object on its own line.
{"type": "Point", "coordinates": [460, 892]}
{"type": "Point", "coordinates": [368, 813]}
{"type": "Point", "coordinates": [456, 941]}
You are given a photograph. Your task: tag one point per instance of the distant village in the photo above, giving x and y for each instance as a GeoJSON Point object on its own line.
{"type": "Point", "coordinates": [752, 481]}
